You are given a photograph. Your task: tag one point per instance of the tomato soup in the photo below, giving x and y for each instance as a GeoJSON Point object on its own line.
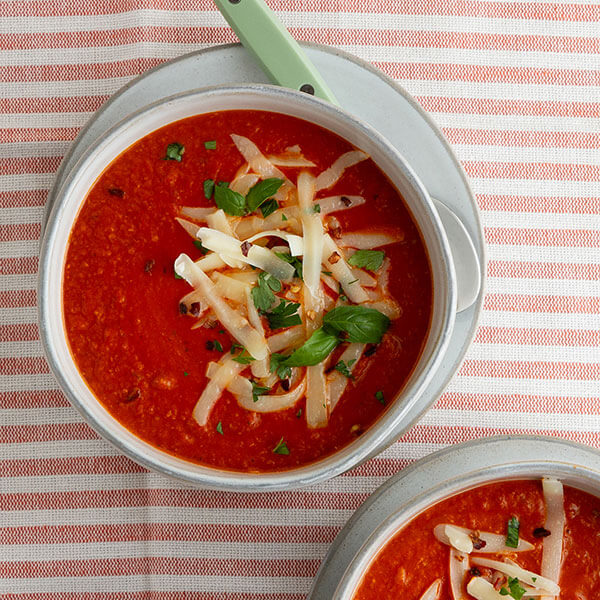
{"type": "Point", "coordinates": [149, 343]}
{"type": "Point", "coordinates": [420, 554]}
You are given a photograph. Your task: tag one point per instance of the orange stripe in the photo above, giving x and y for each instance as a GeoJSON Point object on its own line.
{"type": "Point", "coordinates": [573, 238]}
{"type": "Point", "coordinates": [38, 134]}
{"type": "Point", "coordinates": [31, 365]}
{"type": "Point", "coordinates": [19, 332]}
{"type": "Point", "coordinates": [23, 265]}
{"type": "Point", "coordinates": [33, 399]}
{"type": "Point", "coordinates": [539, 204]}
{"type": "Point", "coordinates": [17, 298]}
{"type": "Point", "coordinates": [20, 231]}
{"type": "Point", "coordinates": [525, 170]}
{"type": "Point", "coordinates": [521, 369]}
{"type": "Point", "coordinates": [538, 337]}
{"type": "Point", "coordinates": [23, 198]}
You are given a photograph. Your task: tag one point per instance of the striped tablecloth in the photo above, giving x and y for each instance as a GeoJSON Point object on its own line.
{"type": "Point", "coordinates": [515, 86]}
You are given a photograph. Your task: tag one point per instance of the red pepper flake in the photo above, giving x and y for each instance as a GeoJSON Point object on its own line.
{"type": "Point", "coordinates": [116, 192]}
{"type": "Point", "coordinates": [478, 543]}
{"type": "Point", "coordinates": [149, 266]}
{"type": "Point", "coordinates": [183, 308]}
{"type": "Point", "coordinates": [541, 532]}
{"type": "Point", "coordinates": [195, 309]}
{"type": "Point", "coordinates": [475, 572]}
{"type": "Point", "coordinates": [245, 248]}
{"type": "Point", "coordinates": [210, 345]}
{"type": "Point", "coordinates": [334, 258]}
{"type": "Point", "coordinates": [134, 395]}
{"type": "Point", "coordinates": [285, 384]}
{"type": "Point", "coordinates": [346, 201]}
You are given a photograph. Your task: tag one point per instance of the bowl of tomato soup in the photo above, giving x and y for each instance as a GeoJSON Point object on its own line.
{"type": "Point", "coordinates": [523, 528]}
{"type": "Point", "coordinates": [245, 288]}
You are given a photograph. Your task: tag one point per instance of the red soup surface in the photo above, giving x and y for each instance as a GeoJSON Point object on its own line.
{"type": "Point", "coordinates": [414, 558]}
{"type": "Point", "coordinates": [138, 352]}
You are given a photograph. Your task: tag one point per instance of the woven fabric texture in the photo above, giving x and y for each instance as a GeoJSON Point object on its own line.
{"type": "Point", "coordinates": [515, 87]}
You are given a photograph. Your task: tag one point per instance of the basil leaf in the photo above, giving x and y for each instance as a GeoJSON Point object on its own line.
{"type": "Point", "coordinates": [292, 260]}
{"type": "Point", "coordinates": [512, 532]}
{"type": "Point", "coordinates": [367, 259]}
{"type": "Point", "coordinates": [285, 314]}
{"type": "Point", "coordinates": [268, 207]}
{"type": "Point", "coordinates": [199, 245]}
{"type": "Point", "coordinates": [315, 350]}
{"type": "Point", "coordinates": [344, 368]}
{"type": "Point", "coordinates": [276, 366]}
{"type": "Point", "coordinates": [363, 325]}
{"type": "Point", "coordinates": [515, 589]}
{"type": "Point", "coordinates": [243, 357]}
{"type": "Point", "coordinates": [258, 390]}
{"type": "Point", "coordinates": [174, 151]}
{"type": "Point", "coordinates": [219, 428]}
{"type": "Point", "coordinates": [281, 448]}
{"type": "Point", "coordinates": [229, 201]}
{"type": "Point", "coordinates": [262, 191]}
{"type": "Point", "coordinates": [209, 187]}
{"type": "Point", "coordinates": [262, 296]}
{"type": "Point", "coordinates": [210, 145]}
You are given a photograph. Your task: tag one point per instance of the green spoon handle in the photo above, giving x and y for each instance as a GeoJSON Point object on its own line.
{"type": "Point", "coordinates": [271, 44]}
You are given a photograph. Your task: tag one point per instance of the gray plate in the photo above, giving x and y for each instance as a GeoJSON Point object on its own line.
{"type": "Point", "coordinates": [363, 91]}
{"type": "Point", "coordinates": [443, 473]}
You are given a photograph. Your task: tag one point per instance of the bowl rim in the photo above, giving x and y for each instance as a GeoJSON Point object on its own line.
{"type": "Point", "coordinates": [505, 462]}
{"type": "Point", "coordinates": [325, 468]}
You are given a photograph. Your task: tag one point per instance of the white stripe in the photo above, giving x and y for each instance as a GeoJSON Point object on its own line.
{"type": "Point", "coordinates": [34, 149]}
{"type": "Point", "coordinates": [474, 384]}
{"type": "Point", "coordinates": [26, 181]}
{"type": "Point", "coordinates": [159, 583]}
{"type": "Point", "coordinates": [49, 415]}
{"type": "Point", "coordinates": [26, 382]}
{"type": "Point", "coordinates": [267, 516]}
{"type": "Point", "coordinates": [546, 254]}
{"type": "Point", "coordinates": [500, 90]}
{"type": "Point", "coordinates": [325, 20]}
{"type": "Point", "coordinates": [556, 287]}
{"type": "Point", "coordinates": [58, 449]}
{"type": "Point", "coordinates": [542, 320]}
{"type": "Point", "coordinates": [541, 124]}
{"type": "Point", "coordinates": [259, 551]}
{"type": "Point", "coordinates": [18, 282]}
{"type": "Point", "coordinates": [21, 349]}
{"type": "Point", "coordinates": [513, 420]}
{"type": "Point", "coordinates": [65, 89]}
{"type": "Point", "coordinates": [18, 315]}
{"type": "Point", "coordinates": [512, 154]}
{"type": "Point", "coordinates": [23, 249]}
{"type": "Point", "coordinates": [507, 351]}
{"type": "Point", "coordinates": [530, 220]}
{"type": "Point", "coordinates": [535, 187]}
{"type": "Point", "coordinates": [35, 120]}
{"type": "Point", "coordinates": [22, 214]}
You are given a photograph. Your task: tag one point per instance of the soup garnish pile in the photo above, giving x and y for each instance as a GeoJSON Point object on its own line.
{"type": "Point", "coordinates": [308, 295]}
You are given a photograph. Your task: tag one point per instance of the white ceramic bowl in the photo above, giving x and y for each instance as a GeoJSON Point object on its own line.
{"type": "Point", "coordinates": [439, 476]}
{"type": "Point", "coordinates": [258, 97]}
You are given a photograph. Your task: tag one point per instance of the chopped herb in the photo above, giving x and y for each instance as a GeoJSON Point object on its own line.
{"type": "Point", "coordinates": [285, 314]}
{"type": "Point", "coordinates": [200, 247]}
{"type": "Point", "coordinates": [269, 207]}
{"type": "Point", "coordinates": [209, 188]}
{"type": "Point", "coordinates": [229, 201]}
{"type": "Point", "coordinates": [185, 373]}
{"type": "Point", "coordinates": [534, 579]}
{"type": "Point", "coordinates": [276, 366]}
{"type": "Point", "coordinates": [218, 346]}
{"type": "Point", "coordinates": [174, 152]}
{"type": "Point", "coordinates": [299, 414]}
{"type": "Point", "coordinates": [220, 428]}
{"type": "Point", "coordinates": [316, 349]}
{"type": "Point", "coordinates": [149, 266]}
{"type": "Point", "coordinates": [281, 448]}
{"type": "Point", "coordinates": [343, 298]}
{"type": "Point", "coordinates": [261, 192]}
{"type": "Point", "coordinates": [258, 390]}
{"type": "Point", "coordinates": [512, 532]}
{"type": "Point", "coordinates": [326, 273]}
{"type": "Point", "coordinates": [243, 357]}
{"type": "Point", "coordinates": [221, 331]}
{"type": "Point", "coordinates": [363, 325]}
{"type": "Point", "coordinates": [379, 397]}
{"type": "Point", "coordinates": [283, 217]}
{"type": "Point", "coordinates": [351, 282]}
{"type": "Point", "coordinates": [233, 348]}
{"type": "Point", "coordinates": [515, 590]}
{"type": "Point", "coordinates": [367, 259]}
{"type": "Point", "coordinates": [317, 208]}
{"type": "Point", "coordinates": [344, 368]}
{"type": "Point", "coordinates": [210, 145]}
{"type": "Point", "coordinates": [262, 294]}
{"type": "Point", "coordinates": [176, 275]}
{"type": "Point", "coordinates": [292, 260]}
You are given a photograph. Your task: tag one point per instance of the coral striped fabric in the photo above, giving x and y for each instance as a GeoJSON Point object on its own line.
{"type": "Point", "coordinates": [515, 86]}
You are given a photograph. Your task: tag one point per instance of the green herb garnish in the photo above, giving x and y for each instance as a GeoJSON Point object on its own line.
{"type": "Point", "coordinates": [281, 448]}
{"type": "Point", "coordinates": [326, 273]}
{"type": "Point", "coordinates": [292, 260]}
{"type": "Point", "coordinates": [262, 294]}
{"type": "Point", "coordinates": [209, 188]}
{"type": "Point", "coordinates": [285, 314]}
{"type": "Point", "coordinates": [316, 349]}
{"type": "Point", "coordinates": [344, 368]}
{"type": "Point", "coordinates": [276, 366]}
{"type": "Point", "coordinates": [379, 397]}
{"type": "Point", "coordinates": [199, 245]}
{"type": "Point", "coordinates": [229, 201]}
{"type": "Point", "coordinates": [174, 151]}
{"type": "Point", "coordinates": [299, 414]}
{"type": "Point", "coordinates": [185, 373]}
{"type": "Point", "coordinates": [283, 217]}
{"type": "Point", "coordinates": [367, 259]}
{"type": "Point", "coordinates": [261, 192]}
{"type": "Point", "coordinates": [258, 390]}
{"type": "Point", "coordinates": [220, 428]}
{"type": "Point", "coordinates": [515, 590]}
{"type": "Point", "coordinates": [243, 357]}
{"type": "Point", "coordinates": [210, 145]}
{"type": "Point", "coordinates": [218, 346]}
{"type": "Point", "coordinates": [362, 325]}
{"type": "Point", "coordinates": [317, 208]}
{"type": "Point", "coordinates": [268, 207]}
{"type": "Point", "coordinates": [176, 275]}
{"type": "Point", "coordinates": [512, 532]}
